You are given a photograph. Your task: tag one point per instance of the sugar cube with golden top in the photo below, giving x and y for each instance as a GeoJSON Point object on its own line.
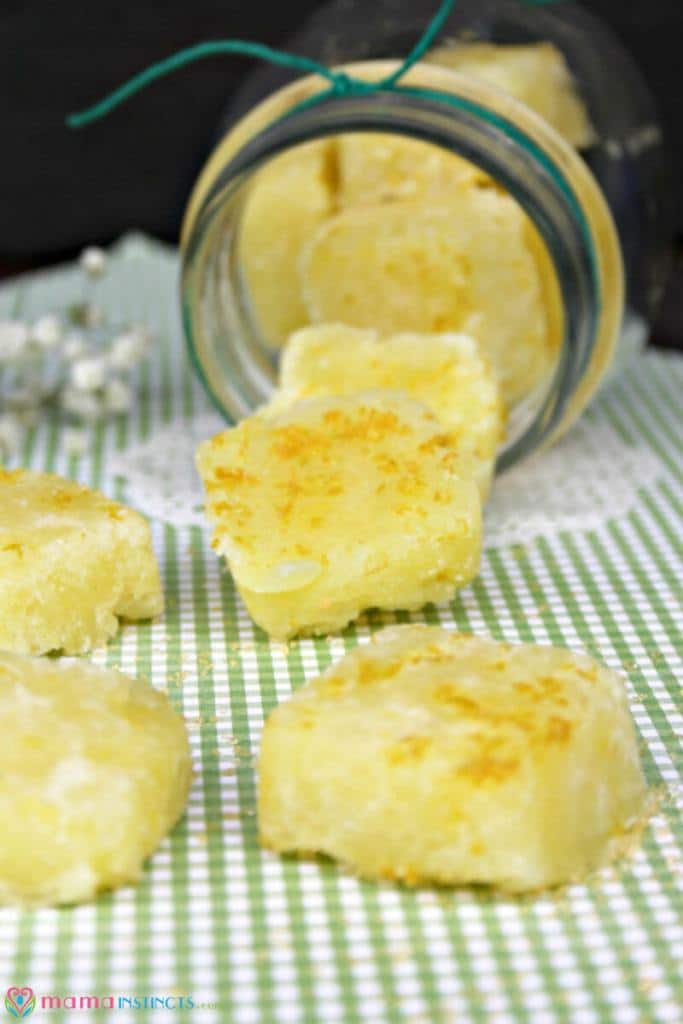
{"type": "Point", "coordinates": [432, 756]}
{"type": "Point", "coordinates": [339, 504]}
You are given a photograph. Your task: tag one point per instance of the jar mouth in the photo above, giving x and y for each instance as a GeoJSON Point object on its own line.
{"type": "Point", "coordinates": [534, 165]}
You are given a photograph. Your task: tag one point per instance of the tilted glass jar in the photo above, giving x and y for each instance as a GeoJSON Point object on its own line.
{"type": "Point", "coordinates": [544, 174]}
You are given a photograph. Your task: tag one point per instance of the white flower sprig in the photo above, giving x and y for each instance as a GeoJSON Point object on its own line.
{"type": "Point", "coordinates": [88, 363]}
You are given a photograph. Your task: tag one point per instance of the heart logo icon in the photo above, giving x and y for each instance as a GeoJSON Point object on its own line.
{"type": "Point", "coordinates": [20, 1002]}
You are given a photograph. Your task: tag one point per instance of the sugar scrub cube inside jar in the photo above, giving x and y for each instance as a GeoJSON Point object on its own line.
{"type": "Point", "coordinates": [535, 73]}
{"type": "Point", "coordinates": [72, 563]}
{"type": "Point", "coordinates": [287, 203]}
{"type": "Point", "coordinates": [431, 756]}
{"type": "Point", "coordinates": [340, 504]}
{"type": "Point", "coordinates": [444, 371]}
{"type": "Point", "coordinates": [378, 167]}
{"type": "Point", "coordinates": [461, 264]}
{"type": "Point", "coordinates": [96, 770]}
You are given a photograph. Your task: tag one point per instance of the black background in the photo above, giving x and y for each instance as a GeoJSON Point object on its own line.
{"type": "Point", "coordinates": [62, 189]}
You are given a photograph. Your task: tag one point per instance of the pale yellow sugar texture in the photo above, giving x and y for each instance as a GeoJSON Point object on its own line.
{"type": "Point", "coordinates": [378, 167]}
{"type": "Point", "coordinates": [72, 563]}
{"type": "Point", "coordinates": [445, 371]}
{"type": "Point", "coordinates": [462, 266]}
{"type": "Point", "coordinates": [535, 73]}
{"type": "Point", "coordinates": [337, 505]}
{"type": "Point", "coordinates": [428, 756]}
{"type": "Point", "coordinates": [95, 771]}
{"type": "Point", "coordinates": [289, 199]}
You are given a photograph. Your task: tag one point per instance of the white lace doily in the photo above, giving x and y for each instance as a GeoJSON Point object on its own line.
{"type": "Point", "coordinates": [159, 474]}
{"type": "Point", "coordinates": [590, 476]}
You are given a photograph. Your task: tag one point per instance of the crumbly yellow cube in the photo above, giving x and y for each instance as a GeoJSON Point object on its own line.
{"type": "Point", "coordinates": [444, 371]}
{"type": "Point", "coordinates": [340, 504]}
{"type": "Point", "coordinates": [535, 73]}
{"type": "Point", "coordinates": [95, 771]}
{"type": "Point", "coordinates": [462, 266]}
{"type": "Point", "coordinates": [289, 199]}
{"type": "Point", "coordinates": [430, 756]}
{"type": "Point", "coordinates": [376, 167]}
{"type": "Point", "coordinates": [72, 563]}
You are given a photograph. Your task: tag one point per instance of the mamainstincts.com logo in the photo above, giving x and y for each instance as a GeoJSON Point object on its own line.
{"type": "Point", "coordinates": [20, 1002]}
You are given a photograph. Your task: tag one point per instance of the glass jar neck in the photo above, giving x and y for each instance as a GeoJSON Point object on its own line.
{"type": "Point", "coordinates": [546, 177]}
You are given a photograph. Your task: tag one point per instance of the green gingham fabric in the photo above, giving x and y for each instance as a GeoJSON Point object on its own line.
{"type": "Point", "coordinates": [252, 937]}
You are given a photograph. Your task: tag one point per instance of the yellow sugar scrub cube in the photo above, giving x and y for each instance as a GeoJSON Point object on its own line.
{"type": "Point", "coordinates": [95, 771]}
{"type": "Point", "coordinates": [535, 73]}
{"type": "Point", "coordinates": [337, 505]}
{"type": "Point", "coordinates": [432, 756]}
{"type": "Point", "coordinates": [444, 371]}
{"type": "Point", "coordinates": [72, 563]}
{"type": "Point", "coordinates": [464, 266]}
{"type": "Point", "coordinates": [289, 200]}
{"type": "Point", "coordinates": [375, 167]}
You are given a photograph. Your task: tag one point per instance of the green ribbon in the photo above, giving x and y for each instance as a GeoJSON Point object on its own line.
{"type": "Point", "coordinates": [341, 84]}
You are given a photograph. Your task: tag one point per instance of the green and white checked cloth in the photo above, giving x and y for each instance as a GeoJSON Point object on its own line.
{"type": "Point", "coordinates": [251, 937]}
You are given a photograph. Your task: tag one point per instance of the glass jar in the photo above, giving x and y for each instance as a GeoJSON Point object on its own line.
{"type": "Point", "coordinates": [555, 186]}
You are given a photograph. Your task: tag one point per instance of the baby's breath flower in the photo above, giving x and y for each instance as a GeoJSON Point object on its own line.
{"type": "Point", "coordinates": [85, 405]}
{"type": "Point", "coordinates": [46, 332]}
{"type": "Point", "coordinates": [127, 349]}
{"type": "Point", "coordinates": [87, 374]}
{"type": "Point", "coordinates": [93, 261]}
{"type": "Point", "coordinates": [88, 370]}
